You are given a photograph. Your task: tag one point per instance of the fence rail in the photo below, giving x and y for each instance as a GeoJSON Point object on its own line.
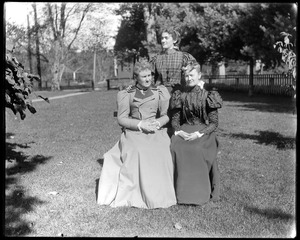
{"type": "Point", "coordinates": [117, 83]}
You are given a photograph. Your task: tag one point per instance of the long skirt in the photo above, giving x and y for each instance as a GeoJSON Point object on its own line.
{"type": "Point", "coordinates": [138, 171]}
{"type": "Point", "coordinates": [197, 176]}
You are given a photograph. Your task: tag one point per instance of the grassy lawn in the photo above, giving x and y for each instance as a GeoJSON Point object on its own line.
{"type": "Point", "coordinates": [54, 161]}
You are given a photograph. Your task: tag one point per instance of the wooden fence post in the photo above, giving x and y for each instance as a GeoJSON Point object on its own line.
{"type": "Point", "coordinates": [108, 84]}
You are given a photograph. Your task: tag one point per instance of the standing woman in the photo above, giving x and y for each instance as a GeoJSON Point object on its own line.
{"type": "Point", "coordinates": [168, 65]}
{"type": "Point", "coordinates": [194, 146]}
{"type": "Point", "coordinates": [138, 170]}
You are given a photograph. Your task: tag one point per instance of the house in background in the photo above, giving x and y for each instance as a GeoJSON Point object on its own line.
{"type": "Point", "coordinates": [123, 69]}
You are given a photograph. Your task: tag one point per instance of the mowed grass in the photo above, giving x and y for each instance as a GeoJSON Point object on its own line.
{"type": "Point", "coordinates": [54, 161]}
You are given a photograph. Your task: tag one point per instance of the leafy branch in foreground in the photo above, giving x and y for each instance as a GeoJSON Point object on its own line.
{"type": "Point", "coordinates": [18, 87]}
{"type": "Point", "coordinates": [285, 47]}
{"type": "Point", "coordinates": [288, 55]}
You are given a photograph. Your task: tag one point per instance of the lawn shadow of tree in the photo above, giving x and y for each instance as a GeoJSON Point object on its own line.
{"type": "Point", "coordinates": [266, 138]}
{"type": "Point", "coordinates": [17, 201]}
{"type": "Point", "coordinates": [265, 107]}
{"type": "Point", "coordinates": [12, 154]}
{"type": "Point", "coordinates": [262, 103]}
{"type": "Point", "coordinates": [96, 188]}
{"type": "Point", "coordinates": [270, 213]}
{"type": "Point", "coordinates": [100, 161]}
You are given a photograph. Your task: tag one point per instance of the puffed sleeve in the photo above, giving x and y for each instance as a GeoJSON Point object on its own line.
{"type": "Point", "coordinates": [123, 104]}
{"type": "Point", "coordinates": [153, 59]}
{"type": "Point", "coordinates": [176, 100]}
{"type": "Point", "coordinates": [164, 98]}
{"type": "Point", "coordinates": [157, 76]}
{"type": "Point", "coordinates": [214, 99]}
{"type": "Point", "coordinates": [214, 102]}
{"type": "Point", "coordinates": [175, 119]}
{"type": "Point", "coordinates": [187, 57]}
{"type": "Point", "coordinates": [175, 108]}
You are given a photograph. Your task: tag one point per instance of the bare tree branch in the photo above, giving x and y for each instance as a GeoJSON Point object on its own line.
{"type": "Point", "coordinates": [85, 11]}
{"type": "Point", "coordinates": [62, 19]}
{"type": "Point", "coordinates": [51, 20]}
{"type": "Point", "coordinates": [69, 60]}
{"type": "Point", "coordinates": [69, 12]}
{"type": "Point", "coordinates": [56, 20]}
{"type": "Point", "coordinates": [79, 68]}
{"type": "Point", "coordinates": [45, 59]}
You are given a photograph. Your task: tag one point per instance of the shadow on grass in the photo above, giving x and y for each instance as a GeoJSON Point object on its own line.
{"type": "Point", "coordinates": [100, 161]}
{"type": "Point", "coordinates": [12, 154]}
{"type": "Point", "coordinates": [262, 103]}
{"type": "Point", "coordinates": [17, 202]}
{"type": "Point", "coordinates": [270, 213]}
{"type": "Point", "coordinates": [266, 138]}
{"type": "Point", "coordinates": [96, 188]}
{"type": "Point", "coordinates": [263, 107]}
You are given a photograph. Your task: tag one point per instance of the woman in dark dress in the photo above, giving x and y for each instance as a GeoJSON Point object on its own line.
{"type": "Point", "coordinates": [194, 145]}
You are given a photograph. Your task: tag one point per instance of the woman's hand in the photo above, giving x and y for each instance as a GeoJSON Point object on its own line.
{"type": "Point", "coordinates": [155, 124]}
{"type": "Point", "coordinates": [183, 134]}
{"type": "Point", "coordinates": [189, 136]}
{"type": "Point", "coordinates": [147, 126]}
{"type": "Point", "coordinates": [193, 136]}
{"type": "Point", "coordinates": [128, 88]}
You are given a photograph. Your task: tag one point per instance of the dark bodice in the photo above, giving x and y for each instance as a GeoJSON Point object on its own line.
{"type": "Point", "coordinates": [192, 105]}
{"type": "Point", "coordinates": [196, 106]}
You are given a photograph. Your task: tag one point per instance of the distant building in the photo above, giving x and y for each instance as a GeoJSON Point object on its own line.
{"type": "Point", "coordinates": [123, 69]}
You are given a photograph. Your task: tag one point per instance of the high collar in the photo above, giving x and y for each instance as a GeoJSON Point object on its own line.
{"type": "Point", "coordinates": [169, 51]}
{"type": "Point", "coordinates": [144, 89]}
{"type": "Point", "coordinates": [196, 88]}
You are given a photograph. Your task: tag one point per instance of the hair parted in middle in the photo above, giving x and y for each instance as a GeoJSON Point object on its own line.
{"type": "Point", "coordinates": [142, 65]}
{"type": "Point", "coordinates": [175, 35]}
{"type": "Point", "coordinates": [192, 64]}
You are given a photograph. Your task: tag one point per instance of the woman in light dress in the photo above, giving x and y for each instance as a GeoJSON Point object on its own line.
{"type": "Point", "coordinates": [138, 170]}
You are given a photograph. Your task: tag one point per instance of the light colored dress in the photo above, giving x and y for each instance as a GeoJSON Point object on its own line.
{"type": "Point", "coordinates": [138, 170]}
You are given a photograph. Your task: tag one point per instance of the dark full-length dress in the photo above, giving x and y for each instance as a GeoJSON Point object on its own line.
{"type": "Point", "coordinates": [196, 170]}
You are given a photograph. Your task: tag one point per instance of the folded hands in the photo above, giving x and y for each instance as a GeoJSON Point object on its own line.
{"type": "Point", "coordinates": [149, 126]}
{"type": "Point", "coordinates": [189, 136]}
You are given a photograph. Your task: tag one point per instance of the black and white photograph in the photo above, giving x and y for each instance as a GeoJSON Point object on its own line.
{"type": "Point", "coordinates": [149, 119]}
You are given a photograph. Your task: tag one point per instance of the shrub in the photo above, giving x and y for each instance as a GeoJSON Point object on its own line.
{"type": "Point", "coordinates": [18, 86]}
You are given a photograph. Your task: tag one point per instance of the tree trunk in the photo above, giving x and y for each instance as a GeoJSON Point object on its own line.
{"type": "Point", "coordinates": [214, 68]}
{"type": "Point", "coordinates": [149, 18]}
{"type": "Point", "coordinates": [37, 42]}
{"type": "Point", "coordinates": [57, 20]}
{"type": "Point", "coordinates": [250, 93]}
{"type": "Point", "coordinates": [56, 66]}
{"type": "Point", "coordinates": [94, 70]}
{"type": "Point", "coordinates": [62, 68]}
{"type": "Point", "coordinates": [29, 43]}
